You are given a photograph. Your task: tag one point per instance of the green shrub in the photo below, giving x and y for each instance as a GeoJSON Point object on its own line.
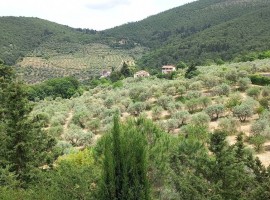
{"type": "Point", "coordinates": [259, 79]}
{"type": "Point", "coordinates": [258, 141]}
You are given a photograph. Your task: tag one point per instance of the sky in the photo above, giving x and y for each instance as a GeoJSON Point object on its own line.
{"type": "Point", "coordinates": [92, 14]}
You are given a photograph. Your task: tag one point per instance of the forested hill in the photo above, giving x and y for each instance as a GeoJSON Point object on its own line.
{"type": "Point", "coordinates": [21, 35]}
{"type": "Point", "coordinates": [202, 30]}
{"type": "Point", "coordinates": [199, 33]}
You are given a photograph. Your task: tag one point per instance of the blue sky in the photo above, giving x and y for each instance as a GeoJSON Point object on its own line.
{"type": "Point", "coordinates": [93, 14]}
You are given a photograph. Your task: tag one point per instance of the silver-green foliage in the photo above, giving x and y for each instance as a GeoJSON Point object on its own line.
{"type": "Point", "coordinates": [214, 111]}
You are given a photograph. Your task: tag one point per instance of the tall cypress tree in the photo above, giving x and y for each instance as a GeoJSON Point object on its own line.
{"type": "Point", "coordinates": [125, 164]}
{"type": "Point", "coordinates": [26, 146]}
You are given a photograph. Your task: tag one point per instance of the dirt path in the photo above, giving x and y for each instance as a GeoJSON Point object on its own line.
{"type": "Point", "coordinates": [67, 121]}
{"type": "Point", "coordinates": [264, 158]}
{"type": "Point", "coordinates": [95, 138]}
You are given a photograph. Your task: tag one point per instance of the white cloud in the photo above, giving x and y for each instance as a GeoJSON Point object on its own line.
{"type": "Point", "coordinates": [93, 14]}
{"type": "Point", "coordinates": [106, 4]}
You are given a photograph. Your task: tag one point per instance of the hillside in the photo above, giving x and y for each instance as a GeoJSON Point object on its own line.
{"type": "Point", "coordinates": [173, 105]}
{"type": "Point", "coordinates": [199, 33]}
{"type": "Point", "coordinates": [41, 50]}
{"type": "Point", "coordinates": [21, 35]}
{"type": "Point", "coordinates": [202, 32]}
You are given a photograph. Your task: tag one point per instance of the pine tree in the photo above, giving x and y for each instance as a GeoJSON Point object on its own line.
{"type": "Point", "coordinates": [125, 70]}
{"type": "Point", "coordinates": [27, 147]}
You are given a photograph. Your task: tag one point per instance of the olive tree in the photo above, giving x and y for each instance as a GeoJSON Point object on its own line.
{"type": "Point", "coordinates": [193, 94]}
{"type": "Point", "coordinates": [157, 112]}
{"type": "Point", "coordinates": [172, 124]}
{"type": "Point", "coordinates": [228, 125]}
{"type": "Point", "coordinates": [197, 85]}
{"type": "Point", "coordinates": [266, 91]}
{"type": "Point", "coordinates": [244, 83]}
{"type": "Point", "coordinates": [205, 101]}
{"type": "Point", "coordinates": [254, 92]}
{"type": "Point", "coordinates": [181, 90]}
{"type": "Point", "coordinates": [214, 111]}
{"type": "Point", "coordinates": [136, 108]}
{"type": "Point", "coordinates": [171, 91]}
{"type": "Point", "coordinates": [200, 119]}
{"type": "Point", "coordinates": [242, 112]}
{"type": "Point", "coordinates": [164, 101]}
{"type": "Point", "coordinates": [234, 100]}
{"type": "Point", "coordinates": [181, 116]}
{"type": "Point", "coordinates": [77, 136]}
{"type": "Point", "coordinates": [261, 127]}
{"type": "Point", "coordinates": [222, 89]}
{"type": "Point", "coordinates": [192, 105]}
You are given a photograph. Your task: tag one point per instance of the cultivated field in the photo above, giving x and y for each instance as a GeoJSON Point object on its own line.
{"type": "Point", "coordinates": [81, 61]}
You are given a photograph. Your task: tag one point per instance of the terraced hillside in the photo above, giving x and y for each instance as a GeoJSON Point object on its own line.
{"type": "Point", "coordinates": [219, 98]}
{"type": "Point", "coordinates": [88, 61]}
{"type": "Point", "coordinates": [41, 49]}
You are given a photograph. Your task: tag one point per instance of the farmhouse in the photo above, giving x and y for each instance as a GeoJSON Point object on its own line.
{"type": "Point", "coordinates": [105, 74]}
{"type": "Point", "coordinates": [168, 69]}
{"type": "Point", "coordinates": [141, 73]}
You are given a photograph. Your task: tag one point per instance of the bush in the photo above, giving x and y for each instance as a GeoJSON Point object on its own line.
{"type": "Point", "coordinates": [254, 92]}
{"type": "Point", "coordinates": [198, 132]}
{"type": "Point", "coordinates": [259, 79]}
{"type": "Point", "coordinates": [266, 91]}
{"type": "Point", "coordinates": [258, 141]}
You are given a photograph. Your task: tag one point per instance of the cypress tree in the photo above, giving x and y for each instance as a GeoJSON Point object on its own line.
{"type": "Point", "coordinates": [125, 164]}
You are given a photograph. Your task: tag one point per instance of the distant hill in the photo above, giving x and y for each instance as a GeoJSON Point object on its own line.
{"type": "Point", "coordinates": [201, 32]}
{"type": "Point", "coordinates": [41, 49]}
{"type": "Point", "coordinates": [21, 35]}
